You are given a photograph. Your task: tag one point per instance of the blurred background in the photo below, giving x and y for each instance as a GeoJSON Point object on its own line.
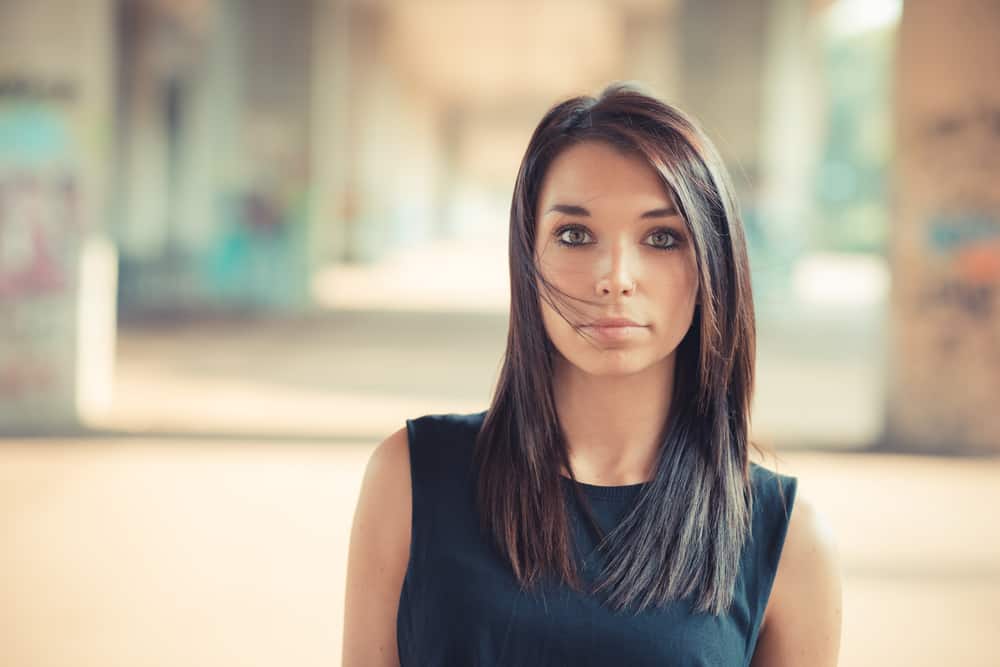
{"type": "Point", "coordinates": [241, 241]}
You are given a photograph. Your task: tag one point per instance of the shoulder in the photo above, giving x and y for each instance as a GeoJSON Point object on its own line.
{"type": "Point", "coordinates": [802, 620]}
{"type": "Point", "coordinates": [411, 466]}
{"type": "Point", "coordinates": [809, 559]}
{"type": "Point", "coordinates": [382, 516]}
{"type": "Point", "coordinates": [378, 554]}
{"type": "Point", "coordinates": [389, 463]}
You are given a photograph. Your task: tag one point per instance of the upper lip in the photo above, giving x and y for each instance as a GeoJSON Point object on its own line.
{"type": "Point", "coordinates": [614, 322]}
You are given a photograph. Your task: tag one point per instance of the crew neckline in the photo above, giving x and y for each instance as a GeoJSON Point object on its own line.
{"type": "Point", "coordinates": [600, 492]}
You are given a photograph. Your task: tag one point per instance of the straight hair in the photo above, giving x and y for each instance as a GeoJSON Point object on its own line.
{"type": "Point", "coordinates": [684, 536]}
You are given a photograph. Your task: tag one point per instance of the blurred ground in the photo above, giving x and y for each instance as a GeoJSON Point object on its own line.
{"type": "Point", "coordinates": [206, 519]}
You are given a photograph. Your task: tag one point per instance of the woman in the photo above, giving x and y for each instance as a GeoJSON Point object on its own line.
{"type": "Point", "coordinates": [604, 509]}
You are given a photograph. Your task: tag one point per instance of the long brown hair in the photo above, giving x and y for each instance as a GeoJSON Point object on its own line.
{"type": "Point", "coordinates": [685, 534]}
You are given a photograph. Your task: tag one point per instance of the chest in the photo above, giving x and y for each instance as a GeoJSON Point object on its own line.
{"type": "Point", "coordinates": [461, 605]}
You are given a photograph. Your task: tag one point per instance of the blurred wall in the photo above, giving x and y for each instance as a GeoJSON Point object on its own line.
{"type": "Point", "coordinates": [56, 266]}
{"type": "Point", "coordinates": [945, 365]}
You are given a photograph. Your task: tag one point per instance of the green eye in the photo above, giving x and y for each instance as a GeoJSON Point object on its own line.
{"type": "Point", "coordinates": [669, 239]}
{"type": "Point", "coordinates": [571, 236]}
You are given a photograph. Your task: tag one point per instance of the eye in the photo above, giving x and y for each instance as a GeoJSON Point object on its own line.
{"type": "Point", "coordinates": [571, 236]}
{"type": "Point", "coordinates": [667, 239]}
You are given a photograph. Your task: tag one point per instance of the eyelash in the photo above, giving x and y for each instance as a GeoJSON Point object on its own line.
{"type": "Point", "coordinates": [661, 230]}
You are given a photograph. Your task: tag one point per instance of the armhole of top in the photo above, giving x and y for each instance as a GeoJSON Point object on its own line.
{"type": "Point", "coordinates": [781, 503]}
{"type": "Point", "coordinates": [434, 474]}
{"type": "Point", "coordinates": [416, 499]}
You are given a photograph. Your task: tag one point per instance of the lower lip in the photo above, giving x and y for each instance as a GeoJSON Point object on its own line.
{"type": "Point", "coordinates": [615, 333]}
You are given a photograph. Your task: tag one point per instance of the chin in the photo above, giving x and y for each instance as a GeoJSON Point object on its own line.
{"type": "Point", "coordinates": [611, 362]}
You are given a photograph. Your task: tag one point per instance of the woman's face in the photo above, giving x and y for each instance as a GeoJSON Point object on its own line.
{"type": "Point", "coordinates": [608, 232]}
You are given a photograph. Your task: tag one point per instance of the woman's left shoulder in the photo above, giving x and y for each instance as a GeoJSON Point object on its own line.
{"type": "Point", "coordinates": [810, 554]}
{"type": "Point", "coordinates": [804, 610]}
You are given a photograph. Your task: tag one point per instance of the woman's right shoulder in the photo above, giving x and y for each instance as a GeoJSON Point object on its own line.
{"type": "Point", "coordinates": [422, 450]}
{"type": "Point", "coordinates": [390, 455]}
{"type": "Point", "coordinates": [378, 555]}
{"type": "Point", "coordinates": [381, 531]}
{"type": "Point", "coordinates": [386, 482]}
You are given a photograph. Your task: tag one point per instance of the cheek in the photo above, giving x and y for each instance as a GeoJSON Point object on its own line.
{"type": "Point", "coordinates": [675, 292]}
{"type": "Point", "coordinates": [555, 325]}
{"type": "Point", "coordinates": [570, 272]}
{"type": "Point", "coordinates": [559, 332]}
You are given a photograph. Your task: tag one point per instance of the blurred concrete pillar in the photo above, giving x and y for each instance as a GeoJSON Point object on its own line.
{"type": "Point", "coordinates": [793, 109]}
{"type": "Point", "coordinates": [177, 91]}
{"type": "Point", "coordinates": [166, 144]}
{"type": "Point", "coordinates": [944, 384]}
{"type": "Point", "coordinates": [331, 130]}
{"type": "Point", "coordinates": [57, 268]}
{"type": "Point", "coordinates": [416, 203]}
{"type": "Point", "coordinates": [378, 140]}
{"type": "Point", "coordinates": [354, 128]}
{"type": "Point", "coordinates": [272, 177]}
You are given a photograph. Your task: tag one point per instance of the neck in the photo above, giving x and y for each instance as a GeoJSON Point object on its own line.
{"type": "Point", "coordinates": [613, 424]}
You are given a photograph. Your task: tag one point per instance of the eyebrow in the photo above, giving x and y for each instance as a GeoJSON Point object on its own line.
{"type": "Point", "coordinates": [573, 209]}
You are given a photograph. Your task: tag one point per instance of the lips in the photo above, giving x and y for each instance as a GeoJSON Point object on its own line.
{"type": "Point", "coordinates": [614, 322]}
{"type": "Point", "coordinates": [616, 330]}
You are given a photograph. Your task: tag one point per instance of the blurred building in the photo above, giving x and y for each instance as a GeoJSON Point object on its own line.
{"type": "Point", "coordinates": [255, 142]}
{"type": "Point", "coordinates": [224, 155]}
{"type": "Point", "coordinates": [259, 142]}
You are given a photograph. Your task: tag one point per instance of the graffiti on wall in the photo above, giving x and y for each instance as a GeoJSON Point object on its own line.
{"type": "Point", "coordinates": [959, 298]}
{"type": "Point", "coordinates": [959, 151]}
{"type": "Point", "coordinates": [38, 215]}
{"type": "Point", "coordinates": [39, 198]}
{"type": "Point", "coordinates": [40, 212]}
{"type": "Point", "coordinates": [967, 247]}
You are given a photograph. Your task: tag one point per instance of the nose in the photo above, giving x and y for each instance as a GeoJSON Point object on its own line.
{"type": "Point", "coordinates": [620, 276]}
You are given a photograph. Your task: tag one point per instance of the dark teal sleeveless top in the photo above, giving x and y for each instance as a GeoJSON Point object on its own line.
{"type": "Point", "coordinates": [461, 605]}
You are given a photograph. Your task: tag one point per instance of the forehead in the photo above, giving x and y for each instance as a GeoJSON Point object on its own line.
{"type": "Point", "coordinates": [596, 174]}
